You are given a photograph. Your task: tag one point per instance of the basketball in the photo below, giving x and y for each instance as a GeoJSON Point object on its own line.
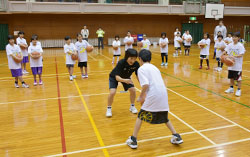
{"type": "Point", "coordinates": [35, 55]}
{"type": "Point", "coordinates": [115, 47]}
{"type": "Point", "coordinates": [19, 60]}
{"type": "Point", "coordinates": [180, 41]}
{"type": "Point", "coordinates": [222, 48]}
{"type": "Point", "coordinates": [228, 60]}
{"type": "Point", "coordinates": [163, 45]}
{"type": "Point", "coordinates": [89, 48]}
{"type": "Point", "coordinates": [129, 43]}
{"type": "Point", "coordinates": [139, 44]}
{"type": "Point", "coordinates": [23, 47]}
{"type": "Point", "coordinates": [74, 57]}
{"type": "Point", "coordinates": [189, 39]}
{"type": "Point", "coordinates": [201, 45]}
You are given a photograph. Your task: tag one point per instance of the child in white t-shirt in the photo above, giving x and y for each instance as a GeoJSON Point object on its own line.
{"type": "Point", "coordinates": [154, 100]}
{"type": "Point", "coordinates": [116, 49]}
{"type": "Point", "coordinates": [187, 42]}
{"type": "Point", "coordinates": [21, 42]}
{"type": "Point", "coordinates": [215, 40]}
{"type": "Point", "coordinates": [229, 39]}
{"type": "Point", "coordinates": [128, 41]}
{"type": "Point", "coordinates": [69, 50]}
{"type": "Point", "coordinates": [145, 42]}
{"type": "Point", "coordinates": [236, 50]}
{"type": "Point", "coordinates": [81, 46]}
{"type": "Point", "coordinates": [204, 44]}
{"type": "Point", "coordinates": [37, 42]}
{"type": "Point", "coordinates": [177, 44]}
{"type": "Point", "coordinates": [36, 61]}
{"type": "Point", "coordinates": [163, 42]}
{"type": "Point", "coordinates": [15, 57]}
{"type": "Point", "coordinates": [220, 45]}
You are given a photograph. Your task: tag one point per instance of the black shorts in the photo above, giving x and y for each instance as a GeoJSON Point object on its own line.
{"type": "Point", "coordinates": [203, 57]}
{"type": "Point", "coordinates": [187, 46]}
{"type": "Point", "coordinates": [218, 59]}
{"type": "Point", "coordinates": [113, 83]}
{"type": "Point", "coordinates": [153, 117]}
{"type": "Point", "coordinates": [177, 48]}
{"type": "Point", "coordinates": [69, 65]}
{"type": "Point", "coordinates": [236, 75]}
{"type": "Point", "coordinates": [164, 54]}
{"type": "Point", "coordinates": [82, 64]}
{"type": "Point", "coordinates": [116, 55]}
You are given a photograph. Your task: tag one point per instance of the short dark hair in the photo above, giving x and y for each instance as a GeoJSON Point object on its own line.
{"type": "Point", "coordinates": [220, 36]}
{"type": "Point", "coordinates": [20, 32]}
{"type": "Point", "coordinates": [67, 38]}
{"type": "Point", "coordinates": [236, 34]}
{"type": "Point", "coordinates": [145, 55]}
{"type": "Point", "coordinates": [117, 36]}
{"type": "Point", "coordinates": [163, 33]}
{"type": "Point", "coordinates": [131, 53]}
{"type": "Point", "coordinates": [10, 37]}
{"type": "Point", "coordinates": [34, 37]}
{"type": "Point", "coordinates": [231, 33]}
{"type": "Point", "coordinates": [207, 35]}
{"type": "Point", "coordinates": [78, 34]}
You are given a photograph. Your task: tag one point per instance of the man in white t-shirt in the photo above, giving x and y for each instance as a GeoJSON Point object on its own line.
{"type": "Point", "coordinates": [85, 33]}
{"type": "Point", "coordinates": [236, 50]}
{"type": "Point", "coordinates": [154, 99]}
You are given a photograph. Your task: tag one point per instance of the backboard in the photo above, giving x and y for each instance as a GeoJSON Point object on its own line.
{"type": "Point", "coordinates": [215, 11]}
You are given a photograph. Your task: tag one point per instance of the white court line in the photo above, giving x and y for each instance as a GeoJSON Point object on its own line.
{"type": "Point", "coordinates": [13, 102]}
{"type": "Point", "coordinates": [207, 147]}
{"type": "Point", "coordinates": [210, 110]}
{"type": "Point", "coordinates": [209, 140]}
{"type": "Point", "coordinates": [140, 141]}
{"type": "Point", "coordinates": [53, 76]}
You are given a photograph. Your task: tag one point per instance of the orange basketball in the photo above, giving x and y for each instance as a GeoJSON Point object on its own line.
{"type": "Point", "coordinates": [35, 55]}
{"type": "Point", "coordinates": [163, 45]}
{"type": "Point", "coordinates": [189, 39]}
{"type": "Point", "coordinates": [201, 45]}
{"type": "Point", "coordinates": [89, 48]}
{"type": "Point", "coordinates": [74, 57]}
{"type": "Point", "coordinates": [23, 47]}
{"type": "Point", "coordinates": [18, 59]}
{"type": "Point", "coordinates": [228, 60]}
{"type": "Point", "coordinates": [222, 48]}
{"type": "Point", "coordinates": [139, 44]}
{"type": "Point", "coordinates": [115, 47]}
{"type": "Point", "coordinates": [129, 43]}
{"type": "Point", "coordinates": [180, 41]}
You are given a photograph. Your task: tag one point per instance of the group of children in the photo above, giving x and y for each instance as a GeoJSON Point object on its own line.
{"type": "Point", "coordinates": [229, 46]}
{"type": "Point", "coordinates": [17, 55]}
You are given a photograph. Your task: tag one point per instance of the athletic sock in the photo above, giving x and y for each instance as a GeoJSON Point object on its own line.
{"type": "Point", "coordinates": [109, 107]}
{"type": "Point", "coordinates": [231, 86]}
{"type": "Point", "coordinates": [23, 82]}
{"type": "Point", "coordinates": [238, 88]}
{"type": "Point", "coordinates": [132, 105]}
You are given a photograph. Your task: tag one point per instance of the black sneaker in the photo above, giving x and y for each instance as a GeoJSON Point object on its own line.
{"type": "Point", "coordinates": [132, 142]}
{"type": "Point", "coordinates": [176, 139]}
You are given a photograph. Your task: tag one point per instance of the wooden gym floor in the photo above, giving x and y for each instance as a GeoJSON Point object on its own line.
{"type": "Point", "coordinates": [67, 118]}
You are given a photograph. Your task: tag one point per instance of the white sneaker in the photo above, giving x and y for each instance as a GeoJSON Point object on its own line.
{"type": "Point", "coordinates": [35, 83]}
{"type": "Point", "coordinates": [176, 139]}
{"type": "Point", "coordinates": [238, 93]}
{"type": "Point", "coordinates": [26, 72]}
{"type": "Point", "coordinates": [109, 112]}
{"type": "Point", "coordinates": [166, 64]}
{"type": "Point", "coordinates": [162, 64]}
{"type": "Point", "coordinates": [174, 55]}
{"type": "Point", "coordinates": [74, 76]}
{"type": "Point", "coordinates": [86, 76]}
{"type": "Point", "coordinates": [132, 142]}
{"type": "Point", "coordinates": [83, 76]}
{"type": "Point", "coordinates": [133, 109]}
{"type": "Point", "coordinates": [40, 82]}
{"type": "Point", "coordinates": [229, 90]}
{"type": "Point", "coordinates": [16, 85]}
{"type": "Point", "coordinates": [71, 78]}
{"type": "Point", "coordinates": [25, 85]}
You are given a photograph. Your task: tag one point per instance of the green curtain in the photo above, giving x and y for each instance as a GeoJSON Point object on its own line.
{"type": "Point", "coordinates": [4, 32]}
{"type": "Point", "coordinates": [195, 29]}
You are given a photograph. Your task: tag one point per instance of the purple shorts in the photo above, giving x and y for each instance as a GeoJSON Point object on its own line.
{"type": "Point", "coordinates": [16, 72]}
{"type": "Point", "coordinates": [25, 59]}
{"type": "Point", "coordinates": [37, 70]}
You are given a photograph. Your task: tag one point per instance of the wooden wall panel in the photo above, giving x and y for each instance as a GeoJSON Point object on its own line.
{"type": "Point", "coordinates": [243, 3]}
{"type": "Point", "coordinates": [56, 26]}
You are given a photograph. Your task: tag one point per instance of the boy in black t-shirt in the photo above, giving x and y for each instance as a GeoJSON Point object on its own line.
{"type": "Point", "coordinates": [122, 73]}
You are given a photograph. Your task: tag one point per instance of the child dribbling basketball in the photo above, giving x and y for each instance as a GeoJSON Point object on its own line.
{"type": "Point", "coordinates": [154, 100]}
{"type": "Point", "coordinates": [15, 56]}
